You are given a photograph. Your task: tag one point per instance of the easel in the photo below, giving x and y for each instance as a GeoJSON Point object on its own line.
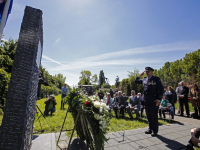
{"type": "Point", "coordinates": [85, 128]}
{"type": "Point", "coordinates": [37, 108]}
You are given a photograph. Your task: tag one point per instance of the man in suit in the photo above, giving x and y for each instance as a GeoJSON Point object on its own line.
{"type": "Point", "coordinates": [134, 104]}
{"type": "Point", "coordinates": [153, 91]}
{"type": "Point", "coordinates": [100, 94]}
{"type": "Point", "coordinates": [182, 93]}
{"type": "Point", "coordinates": [119, 104]}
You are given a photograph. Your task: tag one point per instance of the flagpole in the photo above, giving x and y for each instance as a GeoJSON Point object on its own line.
{"type": "Point", "coordinates": [4, 17]}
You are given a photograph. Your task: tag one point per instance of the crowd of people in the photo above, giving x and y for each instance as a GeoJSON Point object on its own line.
{"type": "Point", "coordinates": [155, 100]}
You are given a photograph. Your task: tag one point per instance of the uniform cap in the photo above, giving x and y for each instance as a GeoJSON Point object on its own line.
{"type": "Point", "coordinates": [149, 69]}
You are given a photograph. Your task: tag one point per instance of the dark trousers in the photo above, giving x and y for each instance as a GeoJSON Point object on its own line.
{"type": "Point", "coordinates": [173, 106]}
{"type": "Point", "coordinates": [62, 104]}
{"type": "Point", "coordinates": [185, 102]}
{"type": "Point", "coordinates": [130, 112]}
{"type": "Point", "coordinates": [163, 112]}
{"type": "Point", "coordinates": [196, 110]}
{"type": "Point", "coordinates": [152, 116]}
{"type": "Point", "coordinates": [52, 110]}
{"type": "Point", "coordinates": [115, 108]}
{"type": "Point", "coordinates": [143, 107]}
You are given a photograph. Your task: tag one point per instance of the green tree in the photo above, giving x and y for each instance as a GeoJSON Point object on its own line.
{"type": "Point", "coordinates": [105, 85]}
{"type": "Point", "coordinates": [85, 78]}
{"type": "Point", "coordinates": [94, 79]}
{"type": "Point", "coordinates": [101, 78]}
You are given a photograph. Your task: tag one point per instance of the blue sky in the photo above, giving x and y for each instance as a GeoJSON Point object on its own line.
{"type": "Point", "coordinates": [115, 36]}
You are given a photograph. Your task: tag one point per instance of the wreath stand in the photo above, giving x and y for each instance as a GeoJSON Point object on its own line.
{"type": "Point", "coordinates": [85, 128]}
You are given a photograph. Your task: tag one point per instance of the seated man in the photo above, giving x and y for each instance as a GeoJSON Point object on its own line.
{"type": "Point", "coordinates": [195, 133]}
{"type": "Point", "coordinates": [50, 105]}
{"type": "Point", "coordinates": [119, 104]}
{"type": "Point", "coordinates": [134, 104]}
{"type": "Point", "coordinates": [164, 105]}
{"type": "Point", "coordinates": [109, 101]}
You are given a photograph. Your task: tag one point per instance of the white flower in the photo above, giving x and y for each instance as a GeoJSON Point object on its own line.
{"type": "Point", "coordinates": [101, 109]}
{"type": "Point", "coordinates": [97, 104]}
{"type": "Point", "coordinates": [107, 107]}
{"type": "Point", "coordinates": [100, 122]}
{"type": "Point", "coordinates": [96, 116]}
{"type": "Point", "coordinates": [103, 105]}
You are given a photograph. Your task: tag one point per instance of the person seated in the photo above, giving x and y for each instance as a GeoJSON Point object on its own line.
{"type": "Point", "coordinates": [119, 104]}
{"type": "Point", "coordinates": [50, 105]}
{"type": "Point", "coordinates": [195, 134]}
{"type": "Point", "coordinates": [134, 104]}
{"type": "Point", "coordinates": [109, 101]}
{"type": "Point", "coordinates": [142, 103]}
{"type": "Point", "coordinates": [164, 105]}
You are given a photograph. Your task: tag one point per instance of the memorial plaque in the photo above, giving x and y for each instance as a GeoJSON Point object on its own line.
{"type": "Point", "coordinates": [17, 125]}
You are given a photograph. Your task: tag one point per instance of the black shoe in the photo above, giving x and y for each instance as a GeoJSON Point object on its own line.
{"type": "Point", "coordinates": [153, 134]}
{"type": "Point", "coordinates": [189, 147]}
{"type": "Point", "coordinates": [148, 132]}
{"type": "Point", "coordinates": [188, 116]}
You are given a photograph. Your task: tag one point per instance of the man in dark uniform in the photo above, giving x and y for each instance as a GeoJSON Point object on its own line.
{"type": "Point", "coordinates": [153, 91]}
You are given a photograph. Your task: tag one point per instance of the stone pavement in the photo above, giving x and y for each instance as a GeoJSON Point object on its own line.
{"type": "Point", "coordinates": [173, 136]}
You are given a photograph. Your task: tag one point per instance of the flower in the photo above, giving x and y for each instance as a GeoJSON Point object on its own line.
{"type": "Point", "coordinates": [87, 103]}
{"type": "Point", "coordinates": [100, 122]}
{"type": "Point", "coordinates": [97, 104]}
{"type": "Point", "coordinates": [101, 109]}
{"type": "Point", "coordinates": [103, 105]}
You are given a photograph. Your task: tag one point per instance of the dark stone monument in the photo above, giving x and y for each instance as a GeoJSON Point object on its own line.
{"type": "Point", "coordinates": [17, 125]}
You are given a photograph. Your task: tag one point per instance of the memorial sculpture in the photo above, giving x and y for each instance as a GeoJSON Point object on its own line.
{"type": "Point", "coordinates": [17, 125]}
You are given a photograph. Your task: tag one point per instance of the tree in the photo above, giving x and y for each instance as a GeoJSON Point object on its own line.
{"type": "Point", "coordinates": [94, 79]}
{"type": "Point", "coordinates": [85, 77]}
{"type": "Point", "coordinates": [117, 82]}
{"type": "Point", "coordinates": [101, 78]}
{"type": "Point", "coordinates": [105, 85]}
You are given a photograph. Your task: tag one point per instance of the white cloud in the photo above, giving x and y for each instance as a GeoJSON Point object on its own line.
{"type": "Point", "coordinates": [57, 41]}
{"type": "Point", "coordinates": [189, 45]}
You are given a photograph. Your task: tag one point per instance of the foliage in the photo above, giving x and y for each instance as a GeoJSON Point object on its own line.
{"type": "Point", "coordinates": [96, 113]}
{"type": "Point", "coordinates": [186, 69]}
{"type": "Point", "coordinates": [56, 82]}
{"type": "Point", "coordinates": [86, 79]}
{"type": "Point", "coordinates": [7, 53]}
{"type": "Point", "coordinates": [101, 78]}
{"type": "Point", "coordinates": [105, 85]}
{"type": "Point", "coordinates": [117, 82]}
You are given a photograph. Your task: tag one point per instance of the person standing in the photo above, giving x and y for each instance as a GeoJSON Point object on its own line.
{"type": "Point", "coordinates": [109, 101]}
{"type": "Point", "coordinates": [100, 94]}
{"type": "Point", "coordinates": [153, 91]}
{"type": "Point", "coordinates": [111, 93]}
{"type": "Point", "coordinates": [196, 100]}
{"type": "Point", "coordinates": [179, 106]}
{"type": "Point", "coordinates": [183, 98]}
{"type": "Point", "coordinates": [64, 92]}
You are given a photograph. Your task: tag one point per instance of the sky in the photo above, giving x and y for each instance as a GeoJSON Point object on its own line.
{"type": "Point", "coordinates": [115, 36]}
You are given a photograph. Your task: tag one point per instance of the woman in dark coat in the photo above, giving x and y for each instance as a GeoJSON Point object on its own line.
{"type": "Point", "coordinates": [171, 96]}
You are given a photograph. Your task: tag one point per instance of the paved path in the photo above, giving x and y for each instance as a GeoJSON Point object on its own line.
{"type": "Point", "coordinates": [171, 137]}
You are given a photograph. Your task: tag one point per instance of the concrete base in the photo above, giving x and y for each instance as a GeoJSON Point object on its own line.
{"type": "Point", "coordinates": [44, 142]}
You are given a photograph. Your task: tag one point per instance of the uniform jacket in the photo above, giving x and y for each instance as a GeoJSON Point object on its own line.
{"type": "Point", "coordinates": [152, 88]}
{"type": "Point", "coordinates": [47, 102]}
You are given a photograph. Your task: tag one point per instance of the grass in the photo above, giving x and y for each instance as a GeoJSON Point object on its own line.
{"type": "Point", "coordinates": [190, 106]}
{"type": "Point", "coordinates": [54, 123]}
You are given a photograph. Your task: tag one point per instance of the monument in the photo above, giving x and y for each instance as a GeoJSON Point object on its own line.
{"type": "Point", "coordinates": [17, 125]}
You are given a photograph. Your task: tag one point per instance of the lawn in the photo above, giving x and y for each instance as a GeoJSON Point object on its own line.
{"type": "Point", "coordinates": [54, 123]}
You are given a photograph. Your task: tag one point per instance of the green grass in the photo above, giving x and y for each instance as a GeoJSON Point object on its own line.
{"type": "Point", "coordinates": [54, 123]}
